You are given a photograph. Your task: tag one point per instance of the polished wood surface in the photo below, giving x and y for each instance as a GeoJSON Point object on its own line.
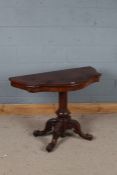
{"type": "Point", "coordinates": [57, 81]}
{"type": "Point", "coordinates": [61, 81]}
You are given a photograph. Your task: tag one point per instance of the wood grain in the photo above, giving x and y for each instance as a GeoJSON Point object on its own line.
{"type": "Point", "coordinates": [49, 109]}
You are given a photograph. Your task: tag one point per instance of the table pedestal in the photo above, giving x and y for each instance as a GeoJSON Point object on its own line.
{"type": "Point", "coordinates": [58, 126]}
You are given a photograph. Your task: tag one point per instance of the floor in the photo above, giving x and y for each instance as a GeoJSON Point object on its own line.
{"type": "Point", "coordinates": [21, 153]}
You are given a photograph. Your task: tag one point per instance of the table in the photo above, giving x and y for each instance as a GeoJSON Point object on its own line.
{"type": "Point", "coordinates": [61, 81]}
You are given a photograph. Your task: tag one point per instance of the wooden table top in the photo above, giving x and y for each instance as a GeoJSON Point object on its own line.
{"type": "Point", "coordinates": [61, 80]}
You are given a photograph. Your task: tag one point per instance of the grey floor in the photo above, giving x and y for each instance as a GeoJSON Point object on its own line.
{"type": "Point", "coordinates": [22, 154]}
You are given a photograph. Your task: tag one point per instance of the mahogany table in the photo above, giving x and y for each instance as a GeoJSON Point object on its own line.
{"type": "Point", "coordinates": [60, 81]}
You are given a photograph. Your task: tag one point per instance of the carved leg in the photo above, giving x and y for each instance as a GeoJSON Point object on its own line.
{"type": "Point", "coordinates": [56, 134]}
{"type": "Point", "coordinates": [48, 128]}
{"type": "Point", "coordinates": [77, 129]}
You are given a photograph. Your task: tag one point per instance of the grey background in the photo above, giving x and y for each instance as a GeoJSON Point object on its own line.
{"type": "Point", "coordinates": [45, 35]}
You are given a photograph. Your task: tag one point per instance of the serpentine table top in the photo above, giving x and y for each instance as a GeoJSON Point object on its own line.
{"type": "Point", "coordinates": [62, 80]}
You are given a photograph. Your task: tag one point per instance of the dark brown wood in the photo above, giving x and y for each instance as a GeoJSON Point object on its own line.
{"type": "Point", "coordinates": [62, 109]}
{"type": "Point", "coordinates": [59, 81]}
{"type": "Point", "coordinates": [58, 126]}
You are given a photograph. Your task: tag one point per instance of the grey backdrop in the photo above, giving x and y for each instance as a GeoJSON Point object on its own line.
{"type": "Point", "coordinates": [45, 35]}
